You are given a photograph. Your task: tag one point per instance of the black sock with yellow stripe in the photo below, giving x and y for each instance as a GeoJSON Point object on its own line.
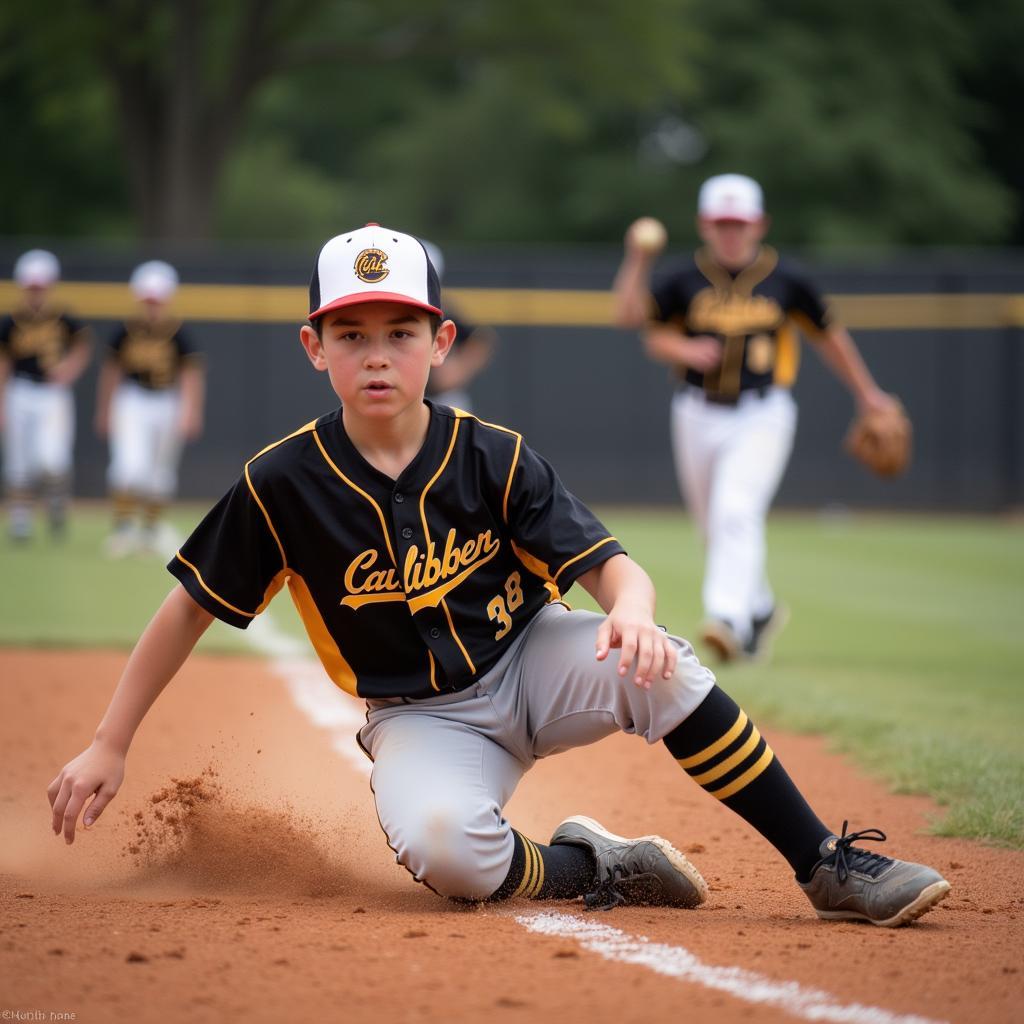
{"type": "Point", "coordinates": [540, 872]}
{"type": "Point", "coordinates": [722, 751]}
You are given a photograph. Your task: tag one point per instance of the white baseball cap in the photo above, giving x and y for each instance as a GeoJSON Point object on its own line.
{"type": "Point", "coordinates": [37, 268]}
{"type": "Point", "coordinates": [731, 197]}
{"type": "Point", "coordinates": [373, 264]}
{"type": "Point", "coordinates": [154, 280]}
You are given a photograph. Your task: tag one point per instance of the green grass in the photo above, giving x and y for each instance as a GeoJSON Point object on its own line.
{"type": "Point", "coordinates": [906, 645]}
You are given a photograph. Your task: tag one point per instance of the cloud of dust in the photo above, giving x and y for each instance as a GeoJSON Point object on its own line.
{"type": "Point", "coordinates": [193, 832]}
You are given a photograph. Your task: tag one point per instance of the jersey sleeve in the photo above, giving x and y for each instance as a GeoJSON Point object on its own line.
{"type": "Point", "coordinates": [232, 564]}
{"type": "Point", "coordinates": [187, 350]}
{"type": "Point", "coordinates": [664, 300]}
{"type": "Point", "coordinates": [116, 342]}
{"type": "Point", "coordinates": [806, 304]}
{"type": "Point", "coordinates": [551, 525]}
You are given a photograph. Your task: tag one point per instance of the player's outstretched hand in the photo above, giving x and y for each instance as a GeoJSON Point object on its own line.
{"type": "Point", "coordinates": [99, 771]}
{"type": "Point", "coordinates": [631, 630]}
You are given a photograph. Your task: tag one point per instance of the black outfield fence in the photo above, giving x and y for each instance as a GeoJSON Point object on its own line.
{"type": "Point", "coordinates": [943, 330]}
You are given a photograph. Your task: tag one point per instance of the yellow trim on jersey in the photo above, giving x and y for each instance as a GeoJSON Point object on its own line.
{"type": "Point", "coordinates": [720, 744]}
{"type": "Point", "coordinates": [295, 433]}
{"type": "Point", "coordinates": [266, 515]}
{"type": "Point", "coordinates": [583, 554]}
{"type": "Point", "coordinates": [511, 473]}
{"type": "Point", "coordinates": [339, 670]}
{"type": "Point", "coordinates": [746, 778]}
{"type": "Point", "coordinates": [808, 326]}
{"type": "Point", "coordinates": [360, 491]}
{"type": "Point", "coordinates": [731, 761]}
{"type": "Point", "coordinates": [787, 356]}
{"type": "Point", "coordinates": [433, 479]}
{"type": "Point", "coordinates": [215, 596]}
{"type": "Point", "coordinates": [433, 671]}
{"type": "Point", "coordinates": [455, 637]}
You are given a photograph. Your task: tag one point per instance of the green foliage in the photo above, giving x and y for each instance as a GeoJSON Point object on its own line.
{"type": "Point", "coordinates": [485, 121]}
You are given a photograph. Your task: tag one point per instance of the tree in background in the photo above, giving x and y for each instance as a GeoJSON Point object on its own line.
{"type": "Point", "coordinates": [482, 120]}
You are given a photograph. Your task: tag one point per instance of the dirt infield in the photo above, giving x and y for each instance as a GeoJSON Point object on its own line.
{"type": "Point", "coordinates": [241, 875]}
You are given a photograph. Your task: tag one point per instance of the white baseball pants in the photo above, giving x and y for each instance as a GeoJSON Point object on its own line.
{"type": "Point", "coordinates": [730, 461]}
{"type": "Point", "coordinates": [39, 433]}
{"type": "Point", "coordinates": [145, 443]}
{"type": "Point", "coordinates": [444, 767]}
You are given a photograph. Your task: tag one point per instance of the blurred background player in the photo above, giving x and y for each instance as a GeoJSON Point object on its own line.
{"type": "Point", "coordinates": [469, 355]}
{"type": "Point", "coordinates": [149, 403]}
{"type": "Point", "coordinates": [42, 353]}
{"type": "Point", "coordinates": [726, 323]}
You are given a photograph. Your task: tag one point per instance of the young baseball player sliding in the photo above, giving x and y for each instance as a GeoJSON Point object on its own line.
{"type": "Point", "coordinates": [427, 551]}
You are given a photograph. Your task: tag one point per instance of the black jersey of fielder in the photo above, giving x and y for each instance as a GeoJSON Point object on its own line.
{"type": "Point", "coordinates": [151, 353]}
{"type": "Point", "coordinates": [35, 342]}
{"type": "Point", "coordinates": [406, 587]}
{"type": "Point", "coordinates": [754, 314]}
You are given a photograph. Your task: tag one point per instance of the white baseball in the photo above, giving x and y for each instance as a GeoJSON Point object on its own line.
{"type": "Point", "coordinates": [648, 234]}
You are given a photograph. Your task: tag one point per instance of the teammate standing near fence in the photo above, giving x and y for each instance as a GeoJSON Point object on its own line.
{"type": "Point", "coordinates": [42, 353]}
{"type": "Point", "coordinates": [149, 403]}
{"type": "Point", "coordinates": [726, 323]}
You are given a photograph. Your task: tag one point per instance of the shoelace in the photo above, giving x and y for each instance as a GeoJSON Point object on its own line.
{"type": "Point", "coordinates": [606, 895]}
{"type": "Point", "coordinates": [848, 857]}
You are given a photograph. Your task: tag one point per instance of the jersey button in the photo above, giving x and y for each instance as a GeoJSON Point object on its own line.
{"type": "Point", "coordinates": [399, 497]}
{"type": "Point", "coordinates": [434, 632]}
{"type": "Point", "coordinates": [407, 532]}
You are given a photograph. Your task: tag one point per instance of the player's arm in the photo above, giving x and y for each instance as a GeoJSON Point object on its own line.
{"type": "Point", "coordinates": [665, 343]}
{"type": "Point", "coordinates": [193, 395]}
{"type": "Point", "coordinates": [5, 372]}
{"type": "Point", "coordinates": [626, 594]}
{"type": "Point", "coordinates": [110, 376]}
{"type": "Point", "coordinates": [840, 353]}
{"type": "Point", "coordinates": [72, 364]}
{"type": "Point", "coordinates": [98, 771]}
{"type": "Point", "coordinates": [631, 289]}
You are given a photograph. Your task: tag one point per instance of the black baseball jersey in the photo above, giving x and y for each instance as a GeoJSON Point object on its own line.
{"type": "Point", "coordinates": [754, 313]}
{"type": "Point", "coordinates": [152, 353]}
{"type": "Point", "coordinates": [35, 342]}
{"type": "Point", "coordinates": [406, 587]}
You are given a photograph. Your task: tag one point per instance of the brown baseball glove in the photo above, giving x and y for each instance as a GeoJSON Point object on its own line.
{"type": "Point", "coordinates": [882, 440]}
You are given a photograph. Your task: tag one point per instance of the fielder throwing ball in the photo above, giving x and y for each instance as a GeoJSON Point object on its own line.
{"type": "Point", "coordinates": [149, 403]}
{"type": "Point", "coordinates": [427, 551]}
{"type": "Point", "coordinates": [42, 353]}
{"type": "Point", "coordinates": [726, 323]}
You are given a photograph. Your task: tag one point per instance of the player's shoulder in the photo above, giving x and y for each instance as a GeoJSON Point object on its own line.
{"type": "Point", "coordinates": [479, 432]}
{"type": "Point", "coordinates": [281, 457]}
{"type": "Point", "coordinates": [791, 268]}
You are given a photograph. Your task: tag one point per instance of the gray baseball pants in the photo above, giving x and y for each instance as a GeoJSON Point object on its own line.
{"type": "Point", "coordinates": [444, 767]}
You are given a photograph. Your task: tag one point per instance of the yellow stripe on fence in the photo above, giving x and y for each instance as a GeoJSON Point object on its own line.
{"type": "Point", "coordinates": [525, 307]}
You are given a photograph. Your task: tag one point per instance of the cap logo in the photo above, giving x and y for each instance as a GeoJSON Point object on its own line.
{"type": "Point", "coordinates": [369, 266]}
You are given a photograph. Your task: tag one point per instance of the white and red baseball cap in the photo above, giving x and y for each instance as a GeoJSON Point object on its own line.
{"type": "Point", "coordinates": [154, 280]}
{"type": "Point", "coordinates": [373, 264]}
{"type": "Point", "coordinates": [731, 197]}
{"type": "Point", "coordinates": [37, 268]}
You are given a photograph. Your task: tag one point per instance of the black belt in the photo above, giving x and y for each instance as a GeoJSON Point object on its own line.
{"type": "Point", "coordinates": [761, 391]}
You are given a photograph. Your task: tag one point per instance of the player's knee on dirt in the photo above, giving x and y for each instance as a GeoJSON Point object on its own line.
{"type": "Point", "coordinates": [460, 851]}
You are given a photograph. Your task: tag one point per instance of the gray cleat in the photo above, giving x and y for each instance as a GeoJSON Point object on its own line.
{"type": "Point", "coordinates": [648, 871]}
{"type": "Point", "coordinates": [853, 884]}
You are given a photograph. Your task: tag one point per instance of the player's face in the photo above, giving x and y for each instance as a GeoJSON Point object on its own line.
{"type": "Point", "coordinates": [36, 295]}
{"type": "Point", "coordinates": [733, 243]}
{"type": "Point", "coordinates": [378, 355]}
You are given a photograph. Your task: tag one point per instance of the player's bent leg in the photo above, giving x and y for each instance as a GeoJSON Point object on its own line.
{"type": "Point", "coordinates": [573, 699]}
{"type": "Point", "coordinates": [439, 787]}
